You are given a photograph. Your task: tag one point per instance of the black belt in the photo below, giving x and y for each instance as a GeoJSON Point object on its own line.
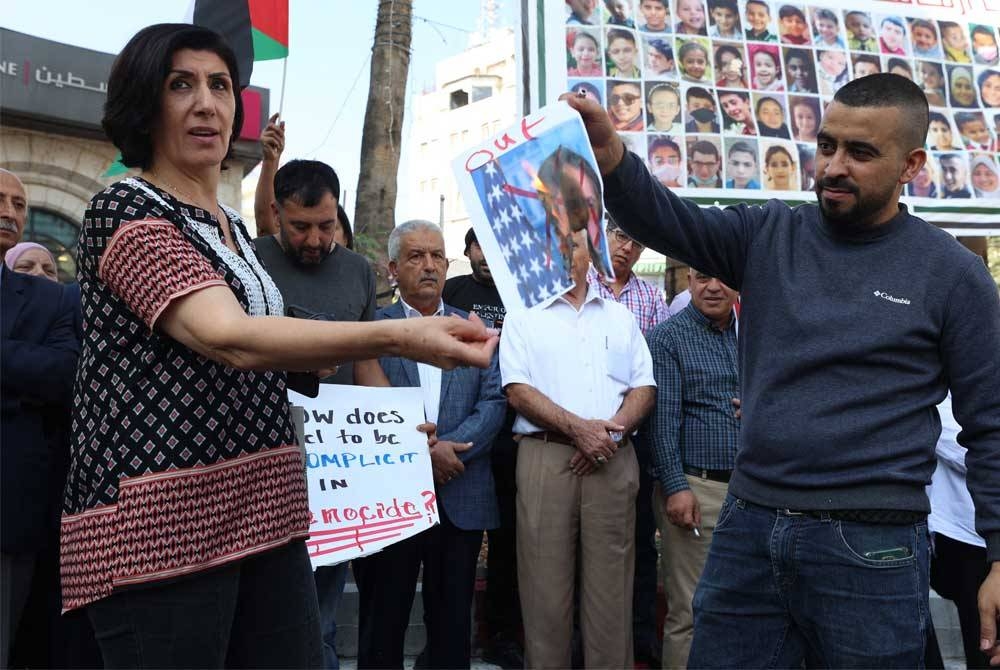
{"type": "Point", "coordinates": [877, 516]}
{"type": "Point", "coordinates": [711, 475]}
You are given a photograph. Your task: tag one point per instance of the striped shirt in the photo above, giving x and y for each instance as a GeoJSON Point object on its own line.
{"type": "Point", "coordinates": [693, 422]}
{"type": "Point", "coordinates": [644, 300]}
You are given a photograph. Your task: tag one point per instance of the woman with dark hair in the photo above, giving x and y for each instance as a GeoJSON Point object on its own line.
{"type": "Point", "coordinates": [186, 506]}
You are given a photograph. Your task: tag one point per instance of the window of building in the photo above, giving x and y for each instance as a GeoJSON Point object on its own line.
{"type": "Point", "coordinates": [458, 99]}
{"type": "Point", "coordinates": [481, 93]}
{"type": "Point", "coordinates": [57, 234]}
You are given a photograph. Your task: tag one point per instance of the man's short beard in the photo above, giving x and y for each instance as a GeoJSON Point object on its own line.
{"type": "Point", "coordinates": [479, 276]}
{"type": "Point", "coordinates": [858, 217]}
{"type": "Point", "coordinates": [296, 254]}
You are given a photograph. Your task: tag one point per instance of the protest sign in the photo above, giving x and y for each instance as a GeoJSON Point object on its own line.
{"type": "Point", "coordinates": [723, 98]}
{"type": "Point", "coordinates": [528, 190]}
{"type": "Point", "coordinates": [369, 470]}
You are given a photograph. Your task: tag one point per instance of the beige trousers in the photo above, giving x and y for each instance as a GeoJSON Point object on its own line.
{"type": "Point", "coordinates": [558, 511]}
{"type": "Point", "coordinates": [682, 557]}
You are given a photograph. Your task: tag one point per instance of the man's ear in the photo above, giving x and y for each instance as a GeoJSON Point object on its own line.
{"type": "Point", "coordinates": [393, 269]}
{"type": "Point", "coordinates": [914, 161]}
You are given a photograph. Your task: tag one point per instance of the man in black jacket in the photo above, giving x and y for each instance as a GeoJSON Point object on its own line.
{"type": "Point", "coordinates": [38, 361]}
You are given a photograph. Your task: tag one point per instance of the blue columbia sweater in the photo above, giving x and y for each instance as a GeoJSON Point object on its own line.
{"type": "Point", "coordinates": [847, 344]}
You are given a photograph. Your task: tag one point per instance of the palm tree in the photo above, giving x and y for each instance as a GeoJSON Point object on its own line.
{"type": "Point", "coordinates": [374, 216]}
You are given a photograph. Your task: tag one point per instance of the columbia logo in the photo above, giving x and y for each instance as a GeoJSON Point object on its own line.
{"type": "Point", "coordinates": [892, 298]}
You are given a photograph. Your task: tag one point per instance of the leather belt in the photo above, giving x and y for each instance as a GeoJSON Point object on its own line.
{"type": "Point", "coordinates": [551, 436]}
{"type": "Point", "coordinates": [872, 516]}
{"type": "Point", "coordinates": [711, 475]}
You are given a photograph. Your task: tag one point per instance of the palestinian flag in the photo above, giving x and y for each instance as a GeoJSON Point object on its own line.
{"type": "Point", "coordinates": [255, 29]}
{"type": "Point", "coordinates": [269, 28]}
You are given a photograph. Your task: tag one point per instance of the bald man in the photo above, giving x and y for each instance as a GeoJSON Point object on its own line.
{"type": "Point", "coordinates": [38, 364]}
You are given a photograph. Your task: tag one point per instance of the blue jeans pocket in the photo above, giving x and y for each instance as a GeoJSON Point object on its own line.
{"type": "Point", "coordinates": [726, 512]}
{"type": "Point", "coordinates": [878, 546]}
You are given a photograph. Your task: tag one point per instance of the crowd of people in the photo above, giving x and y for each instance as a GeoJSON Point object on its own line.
{"type": "Point", "coordinates": [776, 425]}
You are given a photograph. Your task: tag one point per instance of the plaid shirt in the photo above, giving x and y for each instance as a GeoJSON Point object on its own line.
{"type": "Point", "coordinates": [693, 422]}
{"type": "Point", "coordinates": [642, 299]}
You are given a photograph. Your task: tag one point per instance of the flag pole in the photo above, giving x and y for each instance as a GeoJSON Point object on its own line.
{"type": "Point", "coordinates": [284, 71]}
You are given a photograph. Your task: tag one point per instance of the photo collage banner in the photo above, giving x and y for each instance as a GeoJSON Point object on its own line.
{"type": "Point", "coordinates": [729, 94]}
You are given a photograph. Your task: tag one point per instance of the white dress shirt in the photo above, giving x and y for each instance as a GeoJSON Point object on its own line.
{"type": "Point", "coordinates": [430, 376]}
{"type": "Point", "coordinates": [583, 360]}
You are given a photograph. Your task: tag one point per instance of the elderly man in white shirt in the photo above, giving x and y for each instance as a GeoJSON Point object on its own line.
{"type": "Point", "coordinates": [579, 374]}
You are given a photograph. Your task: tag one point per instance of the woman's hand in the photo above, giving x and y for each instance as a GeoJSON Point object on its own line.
{"type": "Point", "coordinates": [448, 342]}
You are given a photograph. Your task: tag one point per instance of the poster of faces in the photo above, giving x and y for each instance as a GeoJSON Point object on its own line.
{"type": "Point", "coordinates": [731, 93]}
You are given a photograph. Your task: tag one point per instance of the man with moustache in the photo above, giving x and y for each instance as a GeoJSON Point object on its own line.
{"type": "Point", "coordinates": [478, 293]}
{"type": "Point", "coordinates": [468, 408]}
{"type": "Point", "coordinates": [857, 318]}
{"type": "Point", "coordinates": [646, 303]}
{"type": "Point", "coordinates": [695, 434]}
{"type": "Point", "coordinates": [319, 279]}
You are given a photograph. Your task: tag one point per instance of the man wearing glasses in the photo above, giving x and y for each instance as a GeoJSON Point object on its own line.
{"type": "Point", "coordinates": [646, 303]}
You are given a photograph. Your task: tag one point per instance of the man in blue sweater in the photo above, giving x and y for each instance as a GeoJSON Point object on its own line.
{"type": "Point", "coordinates": [856, 319]}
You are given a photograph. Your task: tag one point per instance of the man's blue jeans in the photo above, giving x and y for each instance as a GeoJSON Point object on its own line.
{"type": "Point", "coordinates": [330, 587]}
{"type": "Point", "coordinates": [779, 588]}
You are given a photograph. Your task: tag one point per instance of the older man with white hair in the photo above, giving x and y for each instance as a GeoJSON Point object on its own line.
{"type": "Point", "coordinates": [468, 408]}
